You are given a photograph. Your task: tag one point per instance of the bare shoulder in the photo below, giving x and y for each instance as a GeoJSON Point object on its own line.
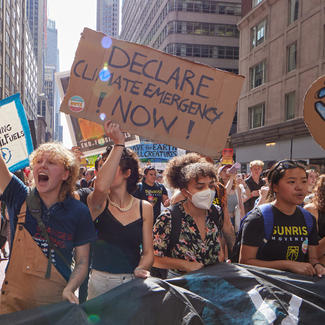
{"type": "Point", "coordinates": [311, 208]}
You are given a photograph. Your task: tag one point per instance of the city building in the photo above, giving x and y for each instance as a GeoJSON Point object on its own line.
{"type": "Point", "coordinates": [108, 17]}
{"type": "Point", "coordinates": [50, 87]}
{"type": "Point", "coordinates": [282, 51]}
{"type": "Point", "coordinates": [18, 70]}
{"type": "Point", "coordinates": [202, 31]}
{"type": "Point", "coordinates": [29, 75]}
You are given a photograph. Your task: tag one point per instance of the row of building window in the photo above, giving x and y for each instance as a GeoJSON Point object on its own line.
{"type": "Point", "coordinates": [257, 73]}
{"type": "Point", "coordinates": [203, 51]}
{"type": "Point", "coordinates": [211, 7]}
{"type": "Point", "coordinates": [258, 32]}
{"type": "Point", "coordinates": [196, 28]}
{"type": "Point", "coordinates": [256, 113]}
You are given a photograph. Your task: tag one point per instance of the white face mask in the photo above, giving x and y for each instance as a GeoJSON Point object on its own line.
{"type": "Point", "coordinates": [203, 199]}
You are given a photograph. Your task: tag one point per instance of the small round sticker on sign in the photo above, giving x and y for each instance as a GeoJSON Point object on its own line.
{"type": "Point", "coordinates": [304, 246]}
{"type": "Point", "coordinates": [76, 104]}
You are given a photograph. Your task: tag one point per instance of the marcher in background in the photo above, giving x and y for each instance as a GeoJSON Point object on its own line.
{"type": "Point", "coordinates": [228, 177]}
{"type": "Point", "coordinates": [46, 235]}
{"type": "Point", "coordinates": [317, 209]}
{"type": "Point", "coordinates": [253, 184]}
{"type": "Point", "coordinates": [152, 191]}
{"type": "Point", "coordinates": [292, 245]}
{"type": "Point", "coordinates": [124, 249]}
{"type": "Point", "coordinates": [311, 181]}
{"type": "Point", "coordinates": [197, 242]}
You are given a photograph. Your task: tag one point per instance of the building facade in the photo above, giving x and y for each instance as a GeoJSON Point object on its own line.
{"type": "Point", "coordinates": [50, 87]}
{"type": "Point", "coordinates": [282, 51]}
{"type": "Point", "coordinates": [108, 17]}
{"type": "Point", "coordinates": [202, 31]}
{"type": "Point", "coordinates": [18, 70]}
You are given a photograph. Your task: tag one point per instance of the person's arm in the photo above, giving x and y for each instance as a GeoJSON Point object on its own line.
{"type": "Point", "coordinates": [176, 263]}
{"type": "Point", "coordinates": [227, 228]}
{"type": "Point", "coordinates": [248, 256]}
{"type": "Point", "coordinates": [228, 186]}
{"type": "Point", "coordinates": [142, 270]}
{"type": "Point", "coordinates": [314, 261]}
{"type": "Point", "coordinates": [5, 175]}
{"type": "Point", "coordinates": [262, 195]}
{"type": "Point", "coordinates": [321, 248]}
{"type": "Point", "coordinates": [96, 200]}
{"type": "Point", "coordinates": [240, 202]}
{"type": "Point", "coordinates": [78, 274]}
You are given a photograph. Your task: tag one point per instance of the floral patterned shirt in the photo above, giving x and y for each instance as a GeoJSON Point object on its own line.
{"type": "Point", "coordinates": [190, 246]}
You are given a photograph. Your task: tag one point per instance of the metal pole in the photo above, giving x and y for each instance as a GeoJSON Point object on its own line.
{"type": "Point", "coordinates": [291, 145]}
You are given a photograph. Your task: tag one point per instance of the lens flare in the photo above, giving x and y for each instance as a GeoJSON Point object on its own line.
{"type": "Point", "coordinates": [104, 74]}
{"type": "Point", "coordinates": [93, 319]}
{"type": "Point", "coordinates": [106, 42]}
{"type": "Point", "coordinates": [102, 116]}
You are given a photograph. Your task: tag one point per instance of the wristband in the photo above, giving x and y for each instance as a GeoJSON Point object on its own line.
{"type": "Point", "coordinates": [318, 263]}
{"type": "Point", "coordinates": [119, 145]}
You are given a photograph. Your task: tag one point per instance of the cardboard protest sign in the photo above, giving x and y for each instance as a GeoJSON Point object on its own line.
{"type": "Point", "coordinates": [153, 94]}
{"type": "Point", "coordinates": [88, 136]}
{"type": "Point", "coordinates": [314, 110]}
{"type": "Point", "coordinates": [15, 139]}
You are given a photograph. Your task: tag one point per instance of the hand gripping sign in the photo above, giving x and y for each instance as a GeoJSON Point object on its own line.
{"type": "Point", "coordinates": [314, 110]}
{"type": "Point", "coordinates": [161, 97]}
{"type": "Point", "coordinates": [15, 139]}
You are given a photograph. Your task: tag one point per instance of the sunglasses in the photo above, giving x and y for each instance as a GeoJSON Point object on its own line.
{"type": "Point", "coordinates": [285, 164]}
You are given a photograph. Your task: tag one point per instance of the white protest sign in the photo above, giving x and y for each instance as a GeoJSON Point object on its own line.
{"type": "Point", "coordinates": [15, 139]}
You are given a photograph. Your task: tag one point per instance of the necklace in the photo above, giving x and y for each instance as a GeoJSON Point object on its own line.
{"type": "Point", "coordinates": [127, 208]}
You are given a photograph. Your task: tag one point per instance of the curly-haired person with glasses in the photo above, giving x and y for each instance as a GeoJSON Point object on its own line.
{"type": "Point", "coordinates": [292, 245]}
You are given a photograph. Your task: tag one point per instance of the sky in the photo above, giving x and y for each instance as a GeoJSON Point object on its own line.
{"type": "Point", "coordinates": [70, 16]}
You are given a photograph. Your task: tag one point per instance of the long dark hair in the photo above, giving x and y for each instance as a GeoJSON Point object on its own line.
{"type": "Point", "coordinates": [129, 160]}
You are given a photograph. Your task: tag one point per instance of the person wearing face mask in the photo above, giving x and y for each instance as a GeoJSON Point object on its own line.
{"type": "Point", "coordinates": [197, 244]}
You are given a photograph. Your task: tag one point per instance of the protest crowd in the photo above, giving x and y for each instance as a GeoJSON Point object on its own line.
{"type": "Point", "coordinates": [66, 227]}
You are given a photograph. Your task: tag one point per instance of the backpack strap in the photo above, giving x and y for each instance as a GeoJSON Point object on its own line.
{"type": "Point", "coordinates": [216, 214]}
{"type": "Point", "coordinates": [309, 220]}
{"type": "Point", "coordinates": [176, 223]}
{"type": "Point", "coordinates": [267, 213]}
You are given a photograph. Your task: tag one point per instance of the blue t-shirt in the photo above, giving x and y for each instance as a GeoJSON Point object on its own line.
{"type": "Point", "coordinates": [68, 223]}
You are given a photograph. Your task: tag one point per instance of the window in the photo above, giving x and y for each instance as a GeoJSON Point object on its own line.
{"type": "Point", "coordinates": [290, 105]}
{"type": "Point", "coordinates": [256, 116]}
{"type": "Point", "coordinates": [291, 57]}
{"type": "Point", "coordinates": [293, 11]}
{"type": "Point", "coordinates": [255, 3]}
{"type": "Point", "coordinates": [257, 75]}
{"type": "Point", "coordinates": [258, 34]}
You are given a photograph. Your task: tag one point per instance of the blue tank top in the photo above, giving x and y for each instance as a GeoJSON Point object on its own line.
{"type": "Point", "coordinates": [118, 248]}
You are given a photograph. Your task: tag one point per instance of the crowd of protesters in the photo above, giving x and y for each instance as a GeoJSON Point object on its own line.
{"type": "Point", "coordinates": [113, 223]}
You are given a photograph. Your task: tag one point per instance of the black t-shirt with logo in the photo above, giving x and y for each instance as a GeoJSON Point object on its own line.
{"type": "Point", "coordinates": [249, 204]}
{"type": "Point", "coordinates": [289, 240]}
{"type": "Point", "coordinates": [153, 194]}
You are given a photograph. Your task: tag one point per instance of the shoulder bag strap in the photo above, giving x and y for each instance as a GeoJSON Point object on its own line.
{"type": "Point", "coordinates": [34, 206]}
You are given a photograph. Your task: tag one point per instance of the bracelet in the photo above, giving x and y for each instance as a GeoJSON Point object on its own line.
{"type": "Point", "coordinates": [119, 145]}
{"type": "Point", "coordinates": [319, 264]}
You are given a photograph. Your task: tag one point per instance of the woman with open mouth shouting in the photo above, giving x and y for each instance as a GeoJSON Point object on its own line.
{"type": "Point", "coordinates": [48, 227]}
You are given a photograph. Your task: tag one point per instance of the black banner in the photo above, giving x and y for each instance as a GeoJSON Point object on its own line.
{"type": "Point", "coordinates": [220, 294]}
